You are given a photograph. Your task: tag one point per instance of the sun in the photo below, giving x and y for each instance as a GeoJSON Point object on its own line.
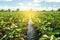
{"type": "Point", "coordinates": [30, 13]}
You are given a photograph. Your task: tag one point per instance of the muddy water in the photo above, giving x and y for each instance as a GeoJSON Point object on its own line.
{"type": "Point", "coordinates": [31, 31]}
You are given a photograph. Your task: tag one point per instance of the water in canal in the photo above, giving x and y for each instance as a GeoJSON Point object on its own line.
{"type": "Point", "coordinates": [31, 31]}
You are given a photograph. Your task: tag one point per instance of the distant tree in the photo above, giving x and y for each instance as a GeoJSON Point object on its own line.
{"type": "Point", "coordinates": [52, 10]}
{"type": "Point", "coordinates": [1, 10]}
{"type": "Point", "coordinates": [17, 9]}
{"type": "Point", "coordinates": [44, 10]}
{"type": "Point", "coordinates": [8, 10]}
{"type": "Point", "coordinates": [58, 9]}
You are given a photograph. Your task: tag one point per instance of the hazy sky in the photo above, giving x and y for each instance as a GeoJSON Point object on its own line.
{"type": "Point", "coordinates": [28, 4]}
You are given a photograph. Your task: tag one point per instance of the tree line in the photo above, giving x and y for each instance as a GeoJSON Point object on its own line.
{"type": "Point", "coordinates": [9, 10]}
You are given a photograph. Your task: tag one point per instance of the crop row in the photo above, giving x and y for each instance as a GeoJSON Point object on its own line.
{"type": "Point", "coordinates": [47, 25]}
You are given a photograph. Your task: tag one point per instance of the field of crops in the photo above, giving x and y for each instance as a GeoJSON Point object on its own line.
{"type": "Point", "coordinates": [13, 25]}
{"type": "Point", "coordinates": [47, 25]}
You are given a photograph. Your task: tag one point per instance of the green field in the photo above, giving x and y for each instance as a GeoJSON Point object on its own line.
{"type": "Point", "coordinates": [14, 25]}
{"type": "Point", "coordinates": [48, 25]}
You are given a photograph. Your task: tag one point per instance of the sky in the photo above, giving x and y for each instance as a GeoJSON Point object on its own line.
{"type": "Point", "coordinates": [30, 4]}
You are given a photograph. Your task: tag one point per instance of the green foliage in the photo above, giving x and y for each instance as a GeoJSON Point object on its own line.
{"type": "Point", "coordinates": [58, 9]}
{"type": "Point", "coordinates": [12, 25]}
{"type": "Point", "coordinates": [48, 23]}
